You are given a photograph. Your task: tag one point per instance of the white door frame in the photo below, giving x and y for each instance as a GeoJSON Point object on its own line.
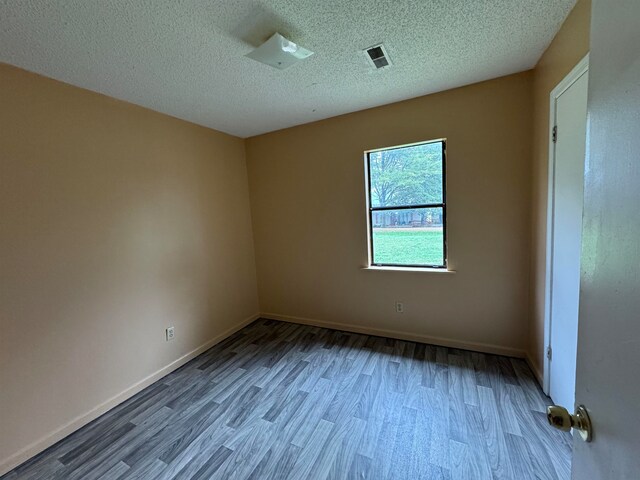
{"type": "Point", "coordinates": [566, 82]}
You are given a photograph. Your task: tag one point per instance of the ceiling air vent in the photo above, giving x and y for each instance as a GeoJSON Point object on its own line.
{"type": "Point", "coordinates": [377, 56]}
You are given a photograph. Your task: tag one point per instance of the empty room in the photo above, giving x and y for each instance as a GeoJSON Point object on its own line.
{"type": "Point", "coordinates": [250, 239]}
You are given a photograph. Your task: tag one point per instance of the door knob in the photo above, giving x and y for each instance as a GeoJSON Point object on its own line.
{"type": "Point", "coordinates": [561, 419]}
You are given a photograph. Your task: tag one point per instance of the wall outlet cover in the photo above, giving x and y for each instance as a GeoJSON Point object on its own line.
{"type": "Point", "coordinates": [170, 333]}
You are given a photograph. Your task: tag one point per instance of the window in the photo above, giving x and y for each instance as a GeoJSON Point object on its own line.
{"type": "Point", "coordinates": [407, 207]}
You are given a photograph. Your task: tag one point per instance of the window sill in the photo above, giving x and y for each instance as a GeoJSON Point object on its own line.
{"type": "Point", "coordinates": [409, 269]}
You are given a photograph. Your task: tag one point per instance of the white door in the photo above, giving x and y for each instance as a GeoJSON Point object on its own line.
{"type": "Point", "coordinates": [608, 375]}
{"type": "Point", "coordinates": [566, 234]}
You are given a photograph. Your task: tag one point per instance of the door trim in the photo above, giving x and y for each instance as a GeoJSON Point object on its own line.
{"type": "Point", "coordinates": [581, 68]}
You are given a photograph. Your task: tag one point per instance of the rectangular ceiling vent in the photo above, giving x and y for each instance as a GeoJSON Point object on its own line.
{"type": "Point", "coordinates": [377, 56]}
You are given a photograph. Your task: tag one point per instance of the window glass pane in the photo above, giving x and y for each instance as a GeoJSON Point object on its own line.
{"type": "Point", "coordinates": [406, 176]}
{"type": "Point", "coordinates": [413, 236]}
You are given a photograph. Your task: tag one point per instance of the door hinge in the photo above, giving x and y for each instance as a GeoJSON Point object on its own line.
{"type": "Point", "coordinates": [554, 134]}
{"type": "Point", "coordinates": [549, 352]}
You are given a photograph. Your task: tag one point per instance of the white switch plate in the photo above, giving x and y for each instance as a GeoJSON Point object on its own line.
{"type": "Point", "coordinates": [399, 307]}
{"type": "Point", "coordinates": [170, 333]}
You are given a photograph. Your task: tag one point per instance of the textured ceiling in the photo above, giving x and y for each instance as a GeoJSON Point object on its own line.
{"type": "Point", "coordinates": [186, 57]}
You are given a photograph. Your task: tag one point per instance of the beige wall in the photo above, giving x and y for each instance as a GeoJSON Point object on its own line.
{"type": "Point", "coordinates": [116, 223]}
{"type": "Point", "coordinates": [309, 220]}
{"type": "Point", "coordinates": [569, 46]}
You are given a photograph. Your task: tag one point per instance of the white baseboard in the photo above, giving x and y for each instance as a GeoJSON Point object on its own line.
{"type": "Point", "coordinates": [534, 369]}
{"type": "Point", "coordinates": [45, 442]}
{"type": "Point", "coordinates": [413, 337]}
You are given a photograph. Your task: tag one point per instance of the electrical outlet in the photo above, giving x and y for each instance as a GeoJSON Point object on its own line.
{"type": "Point", "coordinates": [399, 307]}
{"type": "Point", "coordinates": [170, 333]}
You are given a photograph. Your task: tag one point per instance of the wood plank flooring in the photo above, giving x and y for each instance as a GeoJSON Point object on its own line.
{"type": "Point", "coordinates": [285, 401]}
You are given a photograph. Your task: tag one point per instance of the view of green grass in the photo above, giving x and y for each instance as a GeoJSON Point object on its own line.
{"type": "Point", "coordinates": [408, 246]}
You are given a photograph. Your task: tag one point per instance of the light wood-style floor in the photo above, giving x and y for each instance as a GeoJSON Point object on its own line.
{"type": "Point", "coordinates": [285, 401]}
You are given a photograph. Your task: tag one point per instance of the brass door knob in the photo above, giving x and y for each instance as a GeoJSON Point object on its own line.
{"type": "Point", "coordinates": [561, 419]}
